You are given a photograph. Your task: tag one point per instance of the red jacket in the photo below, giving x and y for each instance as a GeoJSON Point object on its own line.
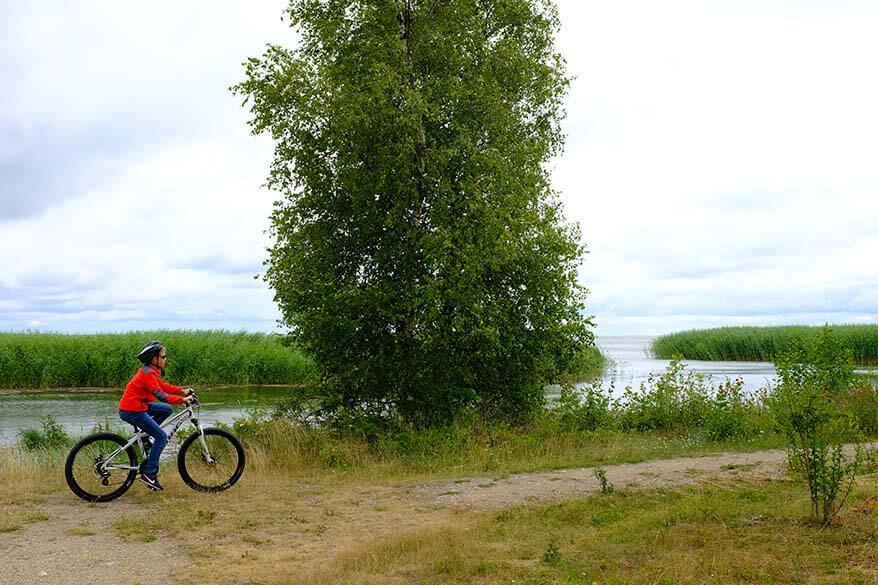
{"type": "Point", "coordinates": [146, 386]}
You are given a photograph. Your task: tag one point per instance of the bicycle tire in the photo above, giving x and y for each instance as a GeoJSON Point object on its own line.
{"type": "Point", "coordinates": [82, 473]}
{"type": "Point", "coordinates": [220, 474]}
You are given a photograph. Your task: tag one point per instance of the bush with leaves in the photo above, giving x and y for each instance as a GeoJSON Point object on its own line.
{"type": "Point", "coordinates": [682, 400]}
{"type": "Point", "coordinates": [585, 408]}
{"type": "Point", "coordinates": [673, 400]}
{"type": "Point", "coordinates": [50, 435]}
{"type": "Point", "coordinates": [730, 413]}
{"type": "Point", "coordinates": [808, 404]}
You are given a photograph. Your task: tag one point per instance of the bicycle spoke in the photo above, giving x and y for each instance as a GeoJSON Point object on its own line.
{"type": "Point", "coordinates": [215, 468]}
{"type": "Point", "coordinates": [94, 477]}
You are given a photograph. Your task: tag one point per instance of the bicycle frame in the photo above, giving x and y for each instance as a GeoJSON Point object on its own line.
{"type": "Point", "coordinates": [170, 426]}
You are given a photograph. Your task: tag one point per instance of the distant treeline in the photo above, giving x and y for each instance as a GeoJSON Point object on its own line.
{"type": "Point", "coordinates": [205, 358]}
{"type": "Point", "coordinates": [762, 343]}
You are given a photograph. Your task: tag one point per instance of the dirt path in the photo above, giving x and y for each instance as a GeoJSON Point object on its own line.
{"type": "Point", "coordinates": [77, 542]}
{"type": "Point", "coordinates": [484, 493]}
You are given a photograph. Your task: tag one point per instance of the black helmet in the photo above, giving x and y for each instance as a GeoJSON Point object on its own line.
{"type": "Point", "coordinates": [149, 351]}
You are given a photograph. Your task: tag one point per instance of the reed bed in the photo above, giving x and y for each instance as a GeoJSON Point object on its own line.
{"type": "Point", "coordinates": [206, 358]}
{"type": "Point", "coordinates": [762, 343]}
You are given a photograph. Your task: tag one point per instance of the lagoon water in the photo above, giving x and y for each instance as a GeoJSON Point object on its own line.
{"type": "Point", "coordinates": [632, 365]}
{"type": "Point", "coordinates": [80, 412]}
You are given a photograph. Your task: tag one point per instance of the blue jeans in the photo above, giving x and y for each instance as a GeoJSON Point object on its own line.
{"type": "Point", "coordinates": [149, 422]}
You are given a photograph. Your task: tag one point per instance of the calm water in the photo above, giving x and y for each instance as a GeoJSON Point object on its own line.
{"type": "Point", "coordinates": [78, 413]}
{"type": "Point", "coordinates": [632, 365]}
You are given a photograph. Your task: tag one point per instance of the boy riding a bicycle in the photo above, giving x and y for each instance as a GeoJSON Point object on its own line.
{"type": "Point", "coordinates": [146, 403]}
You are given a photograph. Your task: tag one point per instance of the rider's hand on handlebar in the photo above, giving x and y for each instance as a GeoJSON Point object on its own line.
{"type": "Point", "coordinates": [187, 400]}
{"type": "Point", "coordinates": [188, 391]}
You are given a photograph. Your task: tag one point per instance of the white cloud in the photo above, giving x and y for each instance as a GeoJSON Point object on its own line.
{"type": "Point", "coordinates": [720, 161]}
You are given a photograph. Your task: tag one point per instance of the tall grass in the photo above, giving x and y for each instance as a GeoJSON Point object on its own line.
{"type": "Point", "coordinates": [196, 357]}
{"type": "Point", "coordinates": [762, 343]}
{"type": "Point", "coordinates": [208, 357]}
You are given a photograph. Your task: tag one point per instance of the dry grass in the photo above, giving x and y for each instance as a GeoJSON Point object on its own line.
{"type": "Point", "coordinates": [24, 481]}
{"type": "Point", "coordinates": [293, 520]}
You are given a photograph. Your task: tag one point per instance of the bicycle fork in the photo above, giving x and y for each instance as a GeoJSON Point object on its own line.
{"type": "Point", "coordinates": [205, 452]}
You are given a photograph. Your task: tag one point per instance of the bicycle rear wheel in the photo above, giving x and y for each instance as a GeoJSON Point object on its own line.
{"type": "Point", "coordinates": [94, 477]}
{"type": "Point", "coordinates": [216, 469]}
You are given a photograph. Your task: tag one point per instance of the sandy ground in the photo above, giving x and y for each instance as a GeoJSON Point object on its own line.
{"type": "Point", "coordinates": [56, 551]}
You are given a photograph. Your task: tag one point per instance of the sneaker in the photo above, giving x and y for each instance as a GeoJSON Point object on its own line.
{"type": "Point", "coordinates": [151, 481]}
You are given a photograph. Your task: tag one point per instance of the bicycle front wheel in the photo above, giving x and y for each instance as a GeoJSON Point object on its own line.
{"type": "Point", "coordinates": [99, 469]}
{"type": "Point", "coordinates": [211, 465]}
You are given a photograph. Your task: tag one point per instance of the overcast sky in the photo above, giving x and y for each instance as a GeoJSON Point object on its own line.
{"type": "Point", "coordinates": [721, 160]}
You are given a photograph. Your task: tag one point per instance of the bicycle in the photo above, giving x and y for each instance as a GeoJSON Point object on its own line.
{"type": "Point", "coordinates": [103, 466]}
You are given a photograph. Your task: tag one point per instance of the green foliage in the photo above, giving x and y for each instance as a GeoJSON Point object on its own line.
{"type": "Point", "coordinates": [763, 343]}
{"type": "Point", "coordinates": [552, 555]}
{"type": "Point", "coordinates": [50, 435]}
{"type": "Point", "coordinates": [583, 409]}
{"type": "Point", "coordinates": [420, 256]}
{"type": "Point", "coordinates": [862, 402]}
{"type": "Point", "coordinates": [53, 360]}
{"type": "Point", "coordinates": [471, 446]}
{"type": "Point", "coordinates": [606, 485]}
{"type": "Point", "coordinates": [589, 364]}
{"type": "Point", "coordinates": [808, 403]}
{"type": "Point", "coordinates": [681, 400]}
{"type": "Point", "coordinates": [673, 400]}
{"type": "Point", "coordinates": [729, 413]}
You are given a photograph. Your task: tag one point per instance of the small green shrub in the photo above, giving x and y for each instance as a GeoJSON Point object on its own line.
{"type": "Point", "coordinates": [606, 485]}
{"type": "Point", "coordinates": [582, 409]}
{"type": "Point", "coordinates": [679, 400]}
{"type": "Point", "coordinates": [51, 435]}
{"type": "Point", "coordinates": [552, 555]}
{"type": "Point", "coordinates": [731, 414]}
{"type": "Point", "coordinates": [808, 403]}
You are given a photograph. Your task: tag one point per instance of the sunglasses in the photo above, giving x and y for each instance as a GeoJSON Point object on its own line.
{"type": "Point", "coordinates": [163, 357]}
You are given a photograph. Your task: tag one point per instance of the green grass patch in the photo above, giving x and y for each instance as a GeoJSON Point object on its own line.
{"type": "Point", "coordinates": [762, 343]}
{"type": "Point", "coordinates": [80, 531]}
{"type": "Point", "coordinates": [12, 519]}
{"type": "Point", "coordinates": [136, 529]}
{"type": "Point", "coordinates": [707, 534]}
{"type": "Point", "coordinates": [205, 358]}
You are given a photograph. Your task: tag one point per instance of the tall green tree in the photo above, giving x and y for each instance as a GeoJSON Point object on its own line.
{"type": "Point", "coordinates": [420, 254]}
